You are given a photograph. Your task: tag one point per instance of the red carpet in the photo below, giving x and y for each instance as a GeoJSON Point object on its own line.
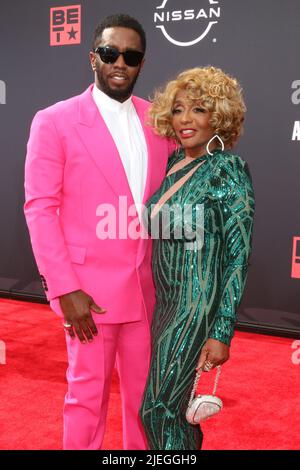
{"type": "Point", "coordinates": [259, 387]}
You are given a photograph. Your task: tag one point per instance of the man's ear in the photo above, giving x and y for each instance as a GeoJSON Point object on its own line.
{"type": "Point", "coordinates": [93, 60]}
{"type": "Point", "coordinates": [142, 64]}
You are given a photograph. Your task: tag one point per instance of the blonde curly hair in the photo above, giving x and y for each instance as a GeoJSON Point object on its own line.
{"type": "Point", "coordinates": [218, 92]}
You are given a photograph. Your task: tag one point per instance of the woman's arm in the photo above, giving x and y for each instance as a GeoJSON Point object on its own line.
{"type": "Point", "coordinates": [237, 212]}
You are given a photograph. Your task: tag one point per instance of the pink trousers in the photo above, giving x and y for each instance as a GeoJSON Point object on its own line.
{"type": "Point", "coordinates": [89, 378]}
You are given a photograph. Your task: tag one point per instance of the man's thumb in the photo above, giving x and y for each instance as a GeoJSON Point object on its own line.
{"type": "Point", "coordinates": [96, 308]}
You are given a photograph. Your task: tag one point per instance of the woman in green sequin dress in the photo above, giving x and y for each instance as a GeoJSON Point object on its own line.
{"type": "Point", "coordinates": [201, 222]}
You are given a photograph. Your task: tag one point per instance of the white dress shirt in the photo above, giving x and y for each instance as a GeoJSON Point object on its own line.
{"type": "Point", "coordinates": [127, 132]}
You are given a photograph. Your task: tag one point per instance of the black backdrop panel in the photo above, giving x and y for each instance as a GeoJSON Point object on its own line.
{"type": "Point", "coordinates": [257, 41]}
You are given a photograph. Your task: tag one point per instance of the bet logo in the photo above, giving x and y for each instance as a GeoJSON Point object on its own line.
{"type": "Point", "coordinates": [65, 25]}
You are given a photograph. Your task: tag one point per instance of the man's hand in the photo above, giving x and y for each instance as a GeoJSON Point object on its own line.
{"type": "Point", "coordinates": [214, 353]}
{"type": "Point", "coordinates": [76, 307]}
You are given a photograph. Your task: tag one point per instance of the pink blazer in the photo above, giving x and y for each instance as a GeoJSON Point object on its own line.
{"type": "Point", "coordinates": [73, 166]}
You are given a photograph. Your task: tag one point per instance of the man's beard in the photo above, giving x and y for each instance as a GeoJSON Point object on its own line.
{"type": "Point", "coordinates": [116, 94]}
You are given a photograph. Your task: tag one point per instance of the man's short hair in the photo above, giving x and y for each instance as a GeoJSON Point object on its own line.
{"type": "Point", "coordinates": [119, 20]}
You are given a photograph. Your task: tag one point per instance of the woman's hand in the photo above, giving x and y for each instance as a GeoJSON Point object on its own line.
{"type": "Point", "coordinates": [214, 353]}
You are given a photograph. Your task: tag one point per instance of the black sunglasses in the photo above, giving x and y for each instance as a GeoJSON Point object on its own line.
{"type": "Point", "coordinates": [109, 55]}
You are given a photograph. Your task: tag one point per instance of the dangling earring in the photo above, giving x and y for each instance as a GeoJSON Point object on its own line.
{"type": "Point", "coordinates": [177, 148]}
{"type": "Point", "coordinates": [208, 144]}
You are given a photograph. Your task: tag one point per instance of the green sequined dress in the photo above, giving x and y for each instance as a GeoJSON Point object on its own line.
{"type": "Point", "coordinates": [199, 263]}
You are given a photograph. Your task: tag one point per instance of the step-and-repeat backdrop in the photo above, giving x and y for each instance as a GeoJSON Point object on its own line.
{"type": "Point", "coordinates": [44, 58]}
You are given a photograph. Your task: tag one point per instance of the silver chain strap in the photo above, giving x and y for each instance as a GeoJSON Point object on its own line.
{"type": "Point", "coordinates": [196, 381]}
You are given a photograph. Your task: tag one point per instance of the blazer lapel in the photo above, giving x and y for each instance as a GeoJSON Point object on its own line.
{"type": "Point", "coordinates": [100, 145]}
{"type": "Point", "coordinates": [141, 112]}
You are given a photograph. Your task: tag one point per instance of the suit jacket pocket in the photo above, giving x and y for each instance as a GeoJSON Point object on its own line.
{"type": "Point", "coordinates": [77, 254]}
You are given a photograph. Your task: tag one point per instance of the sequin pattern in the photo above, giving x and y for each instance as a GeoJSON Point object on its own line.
{"type": "Point", "coordinates": [198, 290]}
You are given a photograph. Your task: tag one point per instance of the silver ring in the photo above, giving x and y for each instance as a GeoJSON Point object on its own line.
{"type": "Point", "coordinates": [68, 325]}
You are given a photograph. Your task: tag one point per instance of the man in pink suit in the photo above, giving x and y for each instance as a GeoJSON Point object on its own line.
{"type": "Point", "coordinates": [91, 162]}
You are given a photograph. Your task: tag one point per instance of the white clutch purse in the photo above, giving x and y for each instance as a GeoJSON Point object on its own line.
{"type": "Point", "coordinates": [202, 407]}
